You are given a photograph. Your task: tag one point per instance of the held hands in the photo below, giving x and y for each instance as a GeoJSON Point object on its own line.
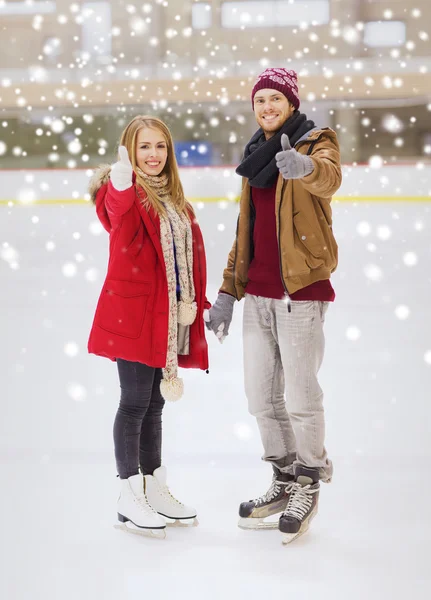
{"type": "Point", "coordinates": [290, 163]}
{"type": "Point", "coordinates": [219, 316]}
{"type": "Point", "coordinates": [122, 171]}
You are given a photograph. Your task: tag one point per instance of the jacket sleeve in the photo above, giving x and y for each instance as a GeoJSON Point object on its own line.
{"type": "Point", "coordinates": [118, 203]}
{"type": "Point", "coordinates": [200, 248]}
{"type": "Point", "coordinates": [228, 286]}
{"type": "Point", "coordinates": [325, 179]}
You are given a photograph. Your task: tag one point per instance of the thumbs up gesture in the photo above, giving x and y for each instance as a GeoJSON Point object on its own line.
{"type": "Point", "coordinates": [290, 163]}
{"type": "Point", "coordinates": [122, 171]}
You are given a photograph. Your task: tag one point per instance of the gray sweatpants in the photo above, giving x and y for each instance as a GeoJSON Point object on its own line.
{"type": "Point", "coordinates": [282, 353]}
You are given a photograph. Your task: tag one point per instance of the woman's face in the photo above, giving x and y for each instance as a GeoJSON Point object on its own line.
{"type": "Point", "coordinates": [151, 151]}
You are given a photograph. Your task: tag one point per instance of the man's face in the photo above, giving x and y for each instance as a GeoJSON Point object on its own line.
{"type": "Point", "coordinates": [271, 109]}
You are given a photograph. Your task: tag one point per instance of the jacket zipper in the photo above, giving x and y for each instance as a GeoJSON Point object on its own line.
{"type": "Point", "coordinates": [289, 302]}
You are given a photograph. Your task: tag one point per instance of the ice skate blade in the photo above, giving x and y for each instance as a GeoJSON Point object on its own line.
{"type": "Point", "coordinates": [159, 534]}
{"type": "Point", "coordinates": [255, 524]}
{"type": "Point", "coordinates": [171, 522]}
{"type": "Point", "coordinates": [288, 538]}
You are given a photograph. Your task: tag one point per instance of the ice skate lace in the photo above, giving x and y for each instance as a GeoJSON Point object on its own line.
{"type": "Point", "coordinates": [274, 489]}
{"type": "Point", "coordinates": [142, 501]}
{"type": "Point", "coordinates": [299, 501]}
{"type": "Point", "coordinates": [165, 491]}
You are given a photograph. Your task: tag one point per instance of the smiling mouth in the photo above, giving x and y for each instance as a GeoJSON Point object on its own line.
{"type": "Point", "coordinates": [152, 164]}
{"type": "Point", "coordinates": [270, 118]}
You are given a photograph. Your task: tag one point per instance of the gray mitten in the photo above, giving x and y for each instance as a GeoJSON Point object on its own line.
{"type": "Point", "coordinates": [219, 316]}
{"type": "Point", "coordinates": [290, 163]}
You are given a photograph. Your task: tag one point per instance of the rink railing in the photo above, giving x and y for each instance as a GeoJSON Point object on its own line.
{"type": "Point", "coordinates": [406, 182]}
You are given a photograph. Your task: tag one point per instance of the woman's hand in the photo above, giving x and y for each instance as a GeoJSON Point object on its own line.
{"type": "Point", "coordinates": [122, 171]}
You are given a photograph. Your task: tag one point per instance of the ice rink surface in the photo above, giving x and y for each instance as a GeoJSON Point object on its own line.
{"type": "Point", "coordinates": [59, 488]}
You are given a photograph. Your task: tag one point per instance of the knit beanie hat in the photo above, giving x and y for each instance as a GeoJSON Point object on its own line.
{"type": "Point", "coordinates": [282, 80]}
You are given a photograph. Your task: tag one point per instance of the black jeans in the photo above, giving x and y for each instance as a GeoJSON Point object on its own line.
{"type": "Point", "coordinates": [138, 423]}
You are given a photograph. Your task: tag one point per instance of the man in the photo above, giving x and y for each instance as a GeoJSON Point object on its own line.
{"type": "Point", "coordinates": [281, 261]}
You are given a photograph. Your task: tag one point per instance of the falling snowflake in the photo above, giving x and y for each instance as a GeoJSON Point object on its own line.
{"type": "Point", "coordinates": [69, 269]}
{"type": "Point", "coordinates": [74, 147]}
{"type": "Point", "coordinates": [363, 228]}
{"type": "Point", "coordinates": [353, 333]}
{"type": "Point", "coordinates": [243, 431]}
{"type": "Point", "coordinates": [373, 272]}
{"type": "Point", "coordinates": [77, 392]}
{"type": "Point", "coordinates": [96, 228]}
{"type": "Point", "coordinates": [375, 162]}
{"type": "Point", "coordinates": [57, 126]}
{"type": "Point", "coordinates": [384, 232]}
{"type": "Point", "coordinates": [92, 275]}
{"type": "Point", "coordinates": [402, 312]}
{"type": "Point", "coordinates": [71, 349]}
{"type": "Point", "coordinates": [26, 196]}
{"type": "Point", "coordinates": [10, 255]}
{"type": "Point", "coordinates": [392, 124]}
{"type": "Point", "coordinates": [410, 259]}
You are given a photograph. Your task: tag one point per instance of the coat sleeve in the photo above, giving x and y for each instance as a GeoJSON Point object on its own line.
{"type": "Point", "coordinates": [118, 203]}
{"type": "Point", "coordinates": [325, 179]}
{"type": "Point", "coordinates": [228, 286]}
{"type": "Point", "coordinates": [200, 248]}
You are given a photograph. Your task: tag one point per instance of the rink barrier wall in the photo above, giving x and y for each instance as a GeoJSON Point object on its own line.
{"type": "Point", "coordinates": [361, 183]}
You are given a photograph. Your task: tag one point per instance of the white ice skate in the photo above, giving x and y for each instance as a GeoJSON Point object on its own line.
{"type": "Point", "coordinates": [135, 514]}
{"type": "Point", "coordinates": [161, 499]}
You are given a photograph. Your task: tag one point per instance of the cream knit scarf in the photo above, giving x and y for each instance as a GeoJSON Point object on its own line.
{"type": "Point", "coordinates": [175, 230]}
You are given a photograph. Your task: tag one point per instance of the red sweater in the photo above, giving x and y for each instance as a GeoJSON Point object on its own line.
{"type": "Point", "coordinates": [264, 275]}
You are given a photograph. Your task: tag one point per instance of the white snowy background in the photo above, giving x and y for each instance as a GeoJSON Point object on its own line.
{"type": "Point", "coordinates": [59, 485]}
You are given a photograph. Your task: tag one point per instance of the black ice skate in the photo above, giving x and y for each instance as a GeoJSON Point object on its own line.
{"type": "Point", "coordinates": [254, 512]}
{"type": "Point", "coordinates": [302, 505]}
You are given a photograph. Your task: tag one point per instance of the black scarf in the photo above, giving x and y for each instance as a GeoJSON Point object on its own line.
{"type": "Point", "coordinates": [258, 164]}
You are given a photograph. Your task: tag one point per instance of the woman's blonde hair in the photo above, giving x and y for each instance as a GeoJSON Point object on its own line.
{"type": "Point", "coordinates": [174, 186]}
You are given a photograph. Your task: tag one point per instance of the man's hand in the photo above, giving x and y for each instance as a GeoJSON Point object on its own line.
{"type": "Point", "coordinates": [122, 171]}
{"type": "Point", "coordinates": [290, 163]}
{"type": "Point", "coordinates": [219, 316]}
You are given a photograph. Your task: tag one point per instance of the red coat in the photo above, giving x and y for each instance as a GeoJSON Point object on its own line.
{"type": "Point", "coordinates": [131, 320]}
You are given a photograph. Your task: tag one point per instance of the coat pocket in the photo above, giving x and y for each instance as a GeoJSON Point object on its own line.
{"type": "Point", "coordinates": [123, 307]}
{"type": "Point", "coordinates": [309, 236]}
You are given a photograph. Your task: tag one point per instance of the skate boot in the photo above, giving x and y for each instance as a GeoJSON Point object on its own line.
{"type": "Point", "coordinates": [254, 512]}
{"type": "Point", "coordinates": [135, 514]}
{"type": "Point", "coordinates": [161, 499]}
{"type": "Point", "coordinates": [302, 505]}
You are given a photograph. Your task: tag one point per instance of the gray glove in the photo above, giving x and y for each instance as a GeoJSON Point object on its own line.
{"type": "Point", "coordinates": [290, 163]}
{"type": "Point", "coordinates": [219, 316]}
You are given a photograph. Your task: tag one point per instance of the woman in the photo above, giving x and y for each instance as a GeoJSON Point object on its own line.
{"type": "Point", "coordinates": [149, 318]}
